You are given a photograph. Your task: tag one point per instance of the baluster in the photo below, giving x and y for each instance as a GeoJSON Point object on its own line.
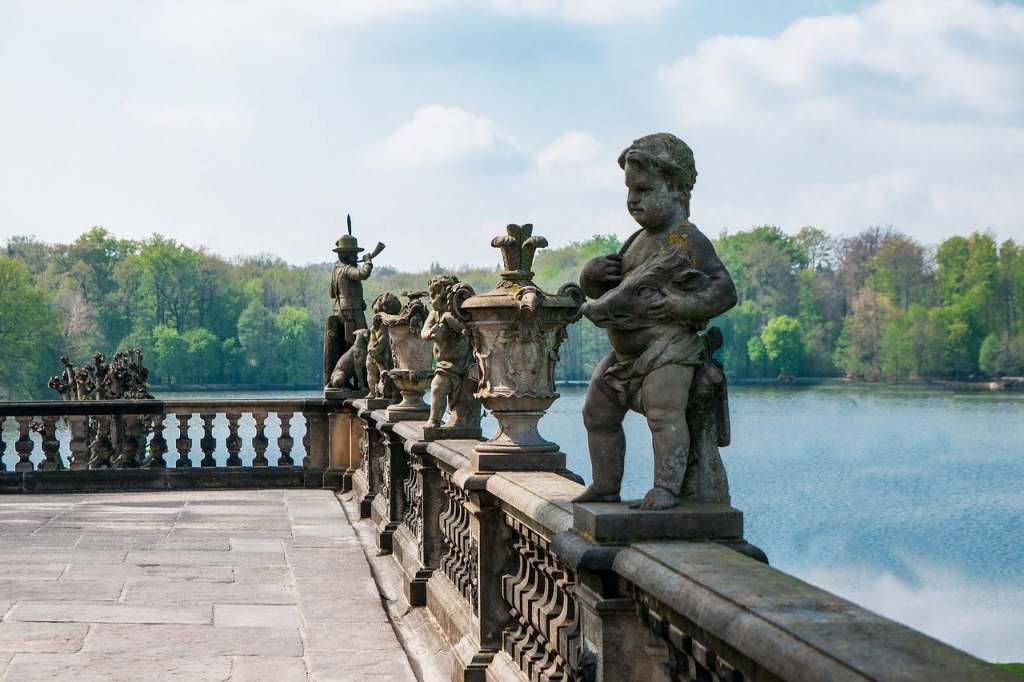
{"type": "Point", "coordinates": [78, 428]}
{"type": "Point", "coordinates": [24, 445]}
{"type": "Point", "coordinates": [233, 442]}
{"type": "Point", "coordinates": [101, 449]}
{"type": "Point", "coordinates": [157, 445]}
{"type": "Point", "coordinates": [183, 444]}
{"type": "Point", "coordinates": [132, 440]}
{"type": "Point", "coordinates": [305, 445]}
{"type": "Point", "coordinates": [259, 441]}
{"type": "Point", "coordinates": [285, 442]}
{"type": "Point", "coordinates": [208, 443]}
{"type": "Point", "coordinates": [3, 445]}
{"type": "Point", "coordinates": [51, 446]}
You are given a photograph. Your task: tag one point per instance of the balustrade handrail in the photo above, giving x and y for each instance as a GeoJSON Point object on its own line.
{"type": "Point", "coordinates": [60, 408]}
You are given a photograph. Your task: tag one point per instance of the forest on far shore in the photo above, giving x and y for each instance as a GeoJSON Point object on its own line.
{"type": "Point", "coordinates": [877, 306]}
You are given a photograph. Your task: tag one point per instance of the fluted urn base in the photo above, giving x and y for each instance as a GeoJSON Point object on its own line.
{"type": "Point", "coordinates": [412, 384]}
{"type": "Point", "coordinates": [517, 446]}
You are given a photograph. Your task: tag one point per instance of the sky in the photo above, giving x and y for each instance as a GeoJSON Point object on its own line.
{"type": "Point", "coordinates": [254, 126]}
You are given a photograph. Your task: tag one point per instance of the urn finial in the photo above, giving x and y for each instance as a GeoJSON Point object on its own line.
{"type": "Point", "coordinates": [518, 247]}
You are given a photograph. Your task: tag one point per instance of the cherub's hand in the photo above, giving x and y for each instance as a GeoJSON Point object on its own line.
{"type": "Point", "coordinates": [605, 269]}
{"type": "Point", "coordinates": [667, 307]}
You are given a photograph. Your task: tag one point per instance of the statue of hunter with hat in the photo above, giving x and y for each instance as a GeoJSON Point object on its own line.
{"type": "Point", "coordinates": [347, 293]}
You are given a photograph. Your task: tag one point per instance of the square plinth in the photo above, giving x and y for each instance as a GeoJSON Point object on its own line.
{"type": "Point", "coordinates": [616, 522]}
{"type": "Point", "coordinates": [342, 394]}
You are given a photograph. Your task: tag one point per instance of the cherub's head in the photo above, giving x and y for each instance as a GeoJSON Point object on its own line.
{"type": "Point", "coordinates": [387, 303]}
{"type": "Point", "coordinates": [438, 288]}
{"type": "Point", "coordinates": [660, 174]}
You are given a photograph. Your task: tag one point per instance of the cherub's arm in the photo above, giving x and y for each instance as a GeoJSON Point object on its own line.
{"type": "Point", "coordinates": [429, 326]}
{"type": "Point", "coordinates": [717, 297]}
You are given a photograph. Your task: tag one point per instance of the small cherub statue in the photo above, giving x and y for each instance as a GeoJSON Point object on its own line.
{"type": "Point", "coordinates": [378, 347]}
{"type": "Point", "coordinates": [654, 297]}
{"type": "Point", "coordinates": [456, 374]}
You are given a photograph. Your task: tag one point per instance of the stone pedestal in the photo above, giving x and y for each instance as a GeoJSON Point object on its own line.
{"type": "Point", "coordinates": [343, 394]}
{"type": "Point", "coordinates": [617, 523]}
{"type": "Point", "coordinates": [433, 433]}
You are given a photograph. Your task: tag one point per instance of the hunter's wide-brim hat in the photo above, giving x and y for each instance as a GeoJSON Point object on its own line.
{"type": "Point", "coordinates": [347, 244]}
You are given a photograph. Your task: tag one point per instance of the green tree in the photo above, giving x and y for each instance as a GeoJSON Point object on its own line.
{"type": "Point", "coordinates": [258, 336]}
{"type": "Point", "coordinates": [171, 363]}
{"type": "Point", "coordinates": [301, 345]}
{"type": "Point", "coordinates": [204, 361]}
{"type": "Point", "coordinates": [783, 344]}
{"type": "Point", "coordinates": [28, 334]}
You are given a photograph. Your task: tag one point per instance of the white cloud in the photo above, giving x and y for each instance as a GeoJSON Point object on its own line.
{"type": "Point", "coordinates": [907, 112]}
{"type": "Point", "coordinates": [988, 620]}
{"type": "Point", "coordinates": [578, 158]}
{"type": "Point", "coordinates": [217, 26]}
{"type": "Point", "coordinates": [224, 119]}
{"type": "Point", "coordinates": [439, 135]}
{"type": "Point", "coordinates": [587, 11]}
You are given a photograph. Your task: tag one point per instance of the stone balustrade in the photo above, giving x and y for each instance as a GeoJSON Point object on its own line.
{"type": "Point", "coordinates": [121, 440]}
{"type": "Point", "coordinates": [525, 585]}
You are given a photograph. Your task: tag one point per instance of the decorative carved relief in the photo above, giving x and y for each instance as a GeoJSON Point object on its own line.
{"type": "Point", "coordinates": [461, 554]}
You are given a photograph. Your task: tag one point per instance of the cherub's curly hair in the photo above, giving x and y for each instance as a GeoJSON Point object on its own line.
{"type": "Point", "coordinates": [666, 155]}
{"type": "Point", "coordinates": [441, 284]}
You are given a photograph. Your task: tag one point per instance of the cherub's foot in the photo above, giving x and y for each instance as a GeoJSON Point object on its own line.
{"type": "Point", "coordinates": [657, 498]}
{"type": "Point", "coordinates": [593, 494]}
{"type": "Point", "coordinates": [431, 424]}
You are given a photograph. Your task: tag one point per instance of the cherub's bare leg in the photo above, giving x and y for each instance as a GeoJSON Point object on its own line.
{"type": "Point", "coordinates": [666, 391]}
{"type": "Point", "coordinates": [440, 388]}
{"type": "Point", "coordinates": [602, 415]}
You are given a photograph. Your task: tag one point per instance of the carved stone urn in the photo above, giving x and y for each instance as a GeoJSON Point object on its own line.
{"type": "Point", "coordinates": [412, 357]}
{"type": "Point", "coordinates": [516, 331]}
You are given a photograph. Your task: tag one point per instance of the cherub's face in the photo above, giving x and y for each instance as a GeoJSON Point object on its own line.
{"type": "Point", "coordinates": [649, 199]}
{"type": "Point", "coordinates": [439, 302]}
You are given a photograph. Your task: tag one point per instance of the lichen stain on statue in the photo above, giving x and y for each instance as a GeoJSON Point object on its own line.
{"type": "Point", "coordinates": [456, 373]}
{"type": "Point", "coordinates": [112, 440]}
{"type": "Point", "coordinates": [655, 297]}
{"type": "Point", "coordinates": [347, 316]}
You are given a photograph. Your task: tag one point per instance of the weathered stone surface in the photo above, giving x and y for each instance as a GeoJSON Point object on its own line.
{"type": "Point", "coordinates": [351, 666]}
{"type": "Point", "coordinates": [264, 668]}
{"type": "Point", "coordinates": [156, 572]}
{"type": "Point", "coordinates": [43, 638]}
{"type": "Point", "coordinates": [194, 640]}
{"type": "Point", "coordinates": [341, 610]}
{"type": "Point", "coordinates": [4, 660]}
{"type": "Point", "coordinates": [146, 592]}
{"type": "Point", "coordinates": [266, 545]}
{"type": "Point", "coordinates": [139, 666]}
{"type": "Point", "coordinates": [256, 615]}
{"type": "Point", "coordinates": [147, 556]}
{"type": "Point", "coordinates": [82, 590]}
{"type": "Point", "coordinates": [356, 637]}
{"type": "Point", "coordinates": [102, 612]}
{"type": "Point", "coordinates": [213, 602]}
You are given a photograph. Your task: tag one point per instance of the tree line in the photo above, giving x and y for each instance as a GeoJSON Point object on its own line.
{"type": "Point", "coordinates": [877, 306]}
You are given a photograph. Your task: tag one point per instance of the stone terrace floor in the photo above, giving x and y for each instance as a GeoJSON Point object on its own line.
{"type": "Point", "coordinates": [200, 585]}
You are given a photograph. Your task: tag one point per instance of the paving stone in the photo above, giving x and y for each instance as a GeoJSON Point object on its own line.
{"type": "Point", "coordinates": [342, 610]}
{"type": "Point", "coordinates": [264, 668]}
{"type": "Point", "coordinates": [256, 615]}
{"type": "Point", "coordinates": [155, 556]}
{"type": "Point", "coordinates": [145, 592]}
{"type": "Point", "coordinates": [4, 660]}
{"type": "Point", "coordinates": [49, 667]}
{"type": "Point", "coordinates": [358, 666]}
{"type": "Point", "coordinates": [323, 588]}
{"type": "Point", "coordinates": [33, 571]}
{"type": "Point", "coordinates": [157, 572]}
{"type": "Point", "coordinates": [193, 640]}
{"type": "Point", "coordinates": [100, 612]}
{"type": "Point", "coordinates": [351, 637]}
{"type": "Point", "coordinates": [321, 542]}
{"type": "Point", "coordinates": [42, 638]}
{"type": "Point", "coordinates": [256, 545]}
{"type": "Point", "coordinates": [5, 606]}
{"type": "Point", "coordinates": [120, 541]}
{"type": "Point", "coordinates": [48, 590]}
{"type": "Point", "coordinates": [279, 575]}
{"type": "Point", "coordinates": [55, 556]}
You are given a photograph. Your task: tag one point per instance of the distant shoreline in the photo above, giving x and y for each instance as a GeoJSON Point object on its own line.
{"type": "Point", "coordinates": [991, 385]}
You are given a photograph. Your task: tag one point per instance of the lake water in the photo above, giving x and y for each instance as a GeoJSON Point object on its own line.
{"type": "Point", "coordinates": [907, 501]}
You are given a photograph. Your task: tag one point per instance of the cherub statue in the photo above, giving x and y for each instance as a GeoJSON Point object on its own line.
{"type": "Point", "coordinates": [378, 347]}
{"type": "Point", "coordinates": [654, 297]}
{"type": "Point", "coordinates": [456, 374]}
